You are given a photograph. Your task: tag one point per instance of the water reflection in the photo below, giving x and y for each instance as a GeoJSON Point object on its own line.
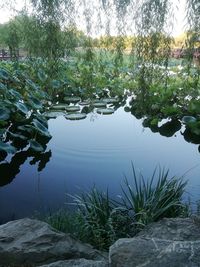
{"type": "Point", "coordinates": [96, 150]}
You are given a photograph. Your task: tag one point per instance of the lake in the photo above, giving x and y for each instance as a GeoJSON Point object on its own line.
{"type": "Point", "coordinates": [95, 151]}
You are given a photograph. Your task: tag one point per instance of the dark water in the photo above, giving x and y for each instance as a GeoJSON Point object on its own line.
{"type": "Point", "coordinates": [97, 150]}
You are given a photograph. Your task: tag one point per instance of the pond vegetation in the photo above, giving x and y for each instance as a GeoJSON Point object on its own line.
{"type": "Point", "coordinates": [70, 73]}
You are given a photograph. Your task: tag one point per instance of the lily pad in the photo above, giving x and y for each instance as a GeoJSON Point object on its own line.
{"type": "Point", "coordinates": [72, 99]}
{"type": "Point", "coordinates": [53, 114]}
{"type": "Point", "coordinates": [59, 106]}
{"type": "Point", "coordinates": [85, 103]}
{"type": "Point", "coordinates": [110, 100]}
{"type": "Point", "coordinates": [188, 119]}
{"type": "Point", "coordinates": [73, 108]}
{"type": "Point", "coordinates": [99, 104]}
{"type": "Point", "coordinates": [105, 111]}
{"type": "Point", "coordinates": [76, 116]}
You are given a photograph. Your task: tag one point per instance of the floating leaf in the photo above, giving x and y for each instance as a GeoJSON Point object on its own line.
{"type": "Point", "coordinates": [72, 99]}
{"type": "Point", "coordinates": [53, 114]}
{"type": "Point", "coordinates": [7, 147]}
{"type": "Point", "coordinates": [99, 104]}
{"type": "Point", "coordinates": [60, 106]}
{"type": "Point", "coordinates": [85, 103]}
{"type": "Point", "coordinates": [105, 111]}
{"type": "Point", "coordinates": [110, 100]}
{"type": "Point", "coordinates": [73, 108]}
{"type": "Point", "coordinates": [76, 116]}
{"type": "Point", "coordinates": [36, 146]}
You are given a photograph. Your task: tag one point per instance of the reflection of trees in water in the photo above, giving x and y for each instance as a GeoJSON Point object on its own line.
{"type": "Point", "coordinates": [9, 170]}
{"type": "Point", "coordinates": [169, 129]}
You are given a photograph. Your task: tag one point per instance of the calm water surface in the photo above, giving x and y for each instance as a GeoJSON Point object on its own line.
{"type": "Point", "coordinates": [97, 150]}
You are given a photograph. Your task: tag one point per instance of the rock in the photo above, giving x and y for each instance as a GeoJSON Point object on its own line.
{"type": "Point", "coordinates": [177, 229]}
{"type": "Point", "coordinates": [32, 242]}
{"type": "Point", "coordinates": [168, 243]}
{"type": "Point", "coordinates": [77, 263]}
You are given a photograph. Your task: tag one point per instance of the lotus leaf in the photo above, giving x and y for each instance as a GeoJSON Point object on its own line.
{"type": "Point", "coordinates": [53, 114]}
{"type": "Point", "coordinates": [99, 104]}
{"type": "Point", "coordinates": [4, 75]}
{"type": "Point", "coordinates": [4, 114]}
{"type": "Point", "coordinates": [35, 102]}
{"type": "Point", "coordinates": [105, 111]}
{"type": "Point", "coordinates": [16, 94]}
{"type": "Point", "coordinates": [22, 107]}
{"type": "Point", "coordinates": [7, 147]}
{"type": "Point", "coordinates": [73, 108]}
{"type": "Point", "coordinates": [188, 119]}
{"type": "Point", "coordinates": [110, 100]}
{"type": "Point", "coordinates": [41, 75]}
{"type": "Point", "coordinates": [36, 146]}
{"type": "Point", "coordinates": [41, 128]}
{"type": "Point", "coordinates": [18, 136]}
{"type": "Point", "coordinates": [60, 106]}
{"type": "Point", "coordinates": [85, 103]}
{"type": "Point", "coordinates": [2, 86]}
{"type": "Point", "coordinates": [76, 116]}
{"type": "Point", "coordinates": [72, 99]}
{"type": "Point", "coordinates": [56, 84]}
{"type": "Point", "coordinates": [32, 84]}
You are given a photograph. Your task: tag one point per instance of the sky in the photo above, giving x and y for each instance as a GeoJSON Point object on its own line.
{"type": "Point", "coordinates": [6, 14]}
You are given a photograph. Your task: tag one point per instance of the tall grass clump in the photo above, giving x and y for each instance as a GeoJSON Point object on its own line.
{"type": "Point", "coordinates": [100, 220]}
{"type": "Point", "coordinates": [150, 200]}
{"type": "Point", "coordinates": [95, 208]}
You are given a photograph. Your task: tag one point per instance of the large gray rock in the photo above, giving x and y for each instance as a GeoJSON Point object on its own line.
{"type": "Point", "coordinates": [32, 242]}
{"type": "Point", "coordinates": [77, 263]}
{"type": "Point", "coordinates": [168, 243]}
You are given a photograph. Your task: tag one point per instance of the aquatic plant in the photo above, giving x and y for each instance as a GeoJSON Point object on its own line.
{"type": "Point", "coordinates": [101, 219]}
{"type": "Point", "coordinates": [149, 200]}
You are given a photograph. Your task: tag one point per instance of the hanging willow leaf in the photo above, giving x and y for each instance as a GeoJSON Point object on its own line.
{"type": "Point", "coordinates": [7, 147]}
{"type": "Point", "coordinates": [4, 114]}
{"type": "Point", "coordinates": [41, 128]}
{"type": "Point", "coordinates": [35, 146]}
